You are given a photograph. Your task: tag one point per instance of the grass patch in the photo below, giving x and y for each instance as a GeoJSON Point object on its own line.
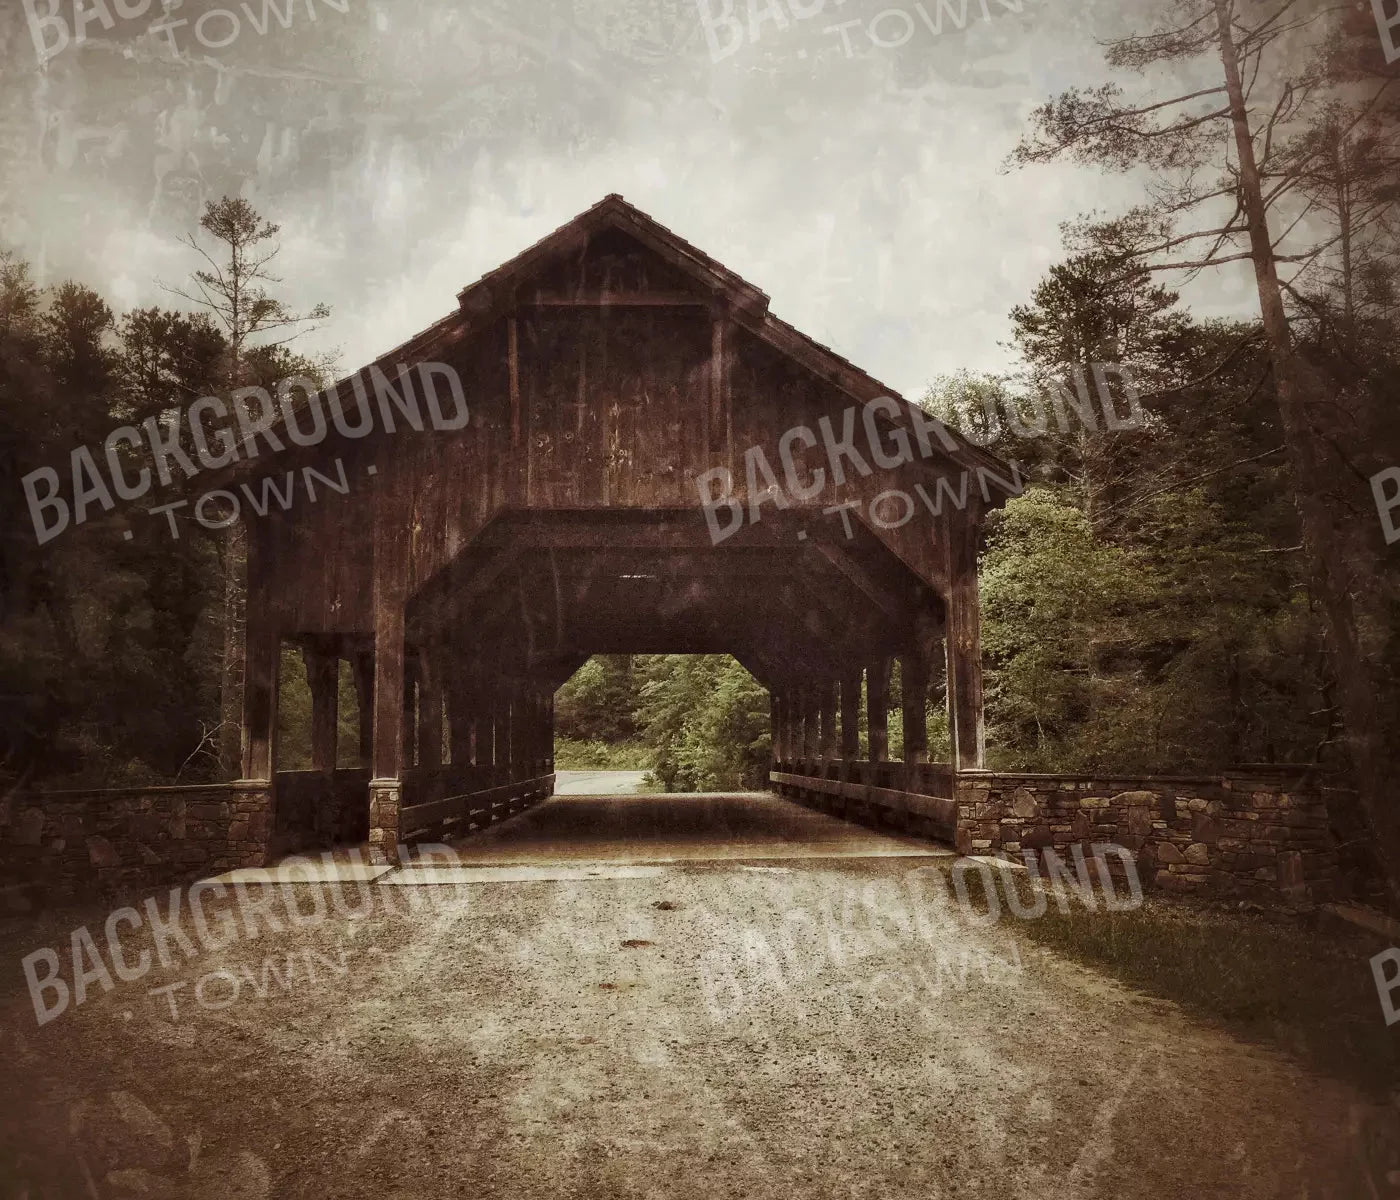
{"type": "Point", "coordinates": [571, 754]}
{"type": "Point", "coordinates": [1286, 980]}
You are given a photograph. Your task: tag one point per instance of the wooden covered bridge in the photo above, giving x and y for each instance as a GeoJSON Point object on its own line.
{"type": "Point", "coordinates": [612, 376]}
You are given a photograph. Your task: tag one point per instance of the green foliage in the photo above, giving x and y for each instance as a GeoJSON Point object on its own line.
{"type": "Point", "coordinates": [1144, 606]}
{"type": "Point", "coordinates": [597, 702]}
{"type": "Point", "coordinates": [707, 720]}
{"type": "Point", "coordinates": [104, 658]}
{"type": "Point", "coordinates": [294, 715]}
{"type": "Point", "coordinates": [699, 721]}
{"type": "Point", "coordinates": [1178, 651]}
{"type": "Point", "coordinates": [571, 754]}
{"type": "Point", "coordinates": [1054, 599]}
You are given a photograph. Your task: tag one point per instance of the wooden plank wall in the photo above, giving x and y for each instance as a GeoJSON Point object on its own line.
{"type": "Point", "coordinates": [612, 407]}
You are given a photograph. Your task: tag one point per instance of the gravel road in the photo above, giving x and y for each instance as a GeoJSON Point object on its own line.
{"type": "Point", "coordinates": [607, 1002]}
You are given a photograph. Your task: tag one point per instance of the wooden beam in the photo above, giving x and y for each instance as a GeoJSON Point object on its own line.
{"type": "Point", "coordinates": [811, 722]}
{"type": "Point", "coordinates": [388, 691]}
{"type": "Point", "coordinates": [389, 595]}
{"type": "Point", "coordinates": [850, 715]}
{"type": "Point", "coordinates": [457, 701]}
{"type": "Point", "coordinates": [409, 727]}
{"type": "Point", "coordinates": [607, 299]}
{"type": "Point", "coordinates": [429, 709]}
{"type": "Point", "coordinates": [755, 665]}
{"type": "Point", "coordinates": [877, 708]}
{"type": "Point", "coordinates": [507, 728]}
{"type": "Point", "coordinates": [826, 740]}
{"type": "Point", "coordinates": [362, 670]}
{"type": "Point", "coordinates": [513, 365]}
{"type": "Point", "coordinates": [913, 675]}
{"type": "Point", "coordinates": [262, 655]}
{"type": "Point", "coordinates": [880, 597]}
{"type": "Point", "coordinates": [964, 649]}
{"type": "Point", "coordinates": [617, 529]}
{"type": "Point", "coordinates": [323, 680]}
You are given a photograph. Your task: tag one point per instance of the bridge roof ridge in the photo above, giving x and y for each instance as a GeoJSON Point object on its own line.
{"type": "Point", "coordinates": [614, 210]}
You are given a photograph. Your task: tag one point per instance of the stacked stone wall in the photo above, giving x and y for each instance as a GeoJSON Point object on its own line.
{"type": "Point", "coordinates": [1259, 834]}
{"type": "Point", "coordinates": [66, 844]}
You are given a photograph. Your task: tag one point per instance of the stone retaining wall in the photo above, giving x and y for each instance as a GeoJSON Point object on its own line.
{"type": "Point", "coordinates": [1257, 834]}
{"type": "Point", "coordinates": [66, 844]}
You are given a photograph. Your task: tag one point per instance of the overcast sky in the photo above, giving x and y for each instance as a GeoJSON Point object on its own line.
{"type": "Point", "coordinates": [406, 148]}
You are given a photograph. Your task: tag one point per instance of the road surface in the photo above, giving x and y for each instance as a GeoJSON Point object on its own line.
{"type": "Point", "coordinates": [598, 783]}
{"type": "Point", "coordinates": [607, 1002]}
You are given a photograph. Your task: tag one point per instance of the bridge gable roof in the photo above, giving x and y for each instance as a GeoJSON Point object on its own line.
{"type": "Point", "coordinates": [497, 292]}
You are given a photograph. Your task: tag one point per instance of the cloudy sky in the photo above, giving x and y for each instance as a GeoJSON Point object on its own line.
{"type": "Point", "coordinates": [405, 148]}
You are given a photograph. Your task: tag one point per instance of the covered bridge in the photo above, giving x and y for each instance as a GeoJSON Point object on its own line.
{"type": "Point", "coordinates": [525, 484]}
{"type": "Point", "coordinates": [611, 445]}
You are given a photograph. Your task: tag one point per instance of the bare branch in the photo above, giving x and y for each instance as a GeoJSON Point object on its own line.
{"type": "Point", "coordinates": [1194, 266]}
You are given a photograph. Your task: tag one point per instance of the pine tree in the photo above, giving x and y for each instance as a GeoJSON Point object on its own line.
{"type": "Point", "coordinates": [234, 291]}
{"type": "Point", "coordinates": [1236, 130]}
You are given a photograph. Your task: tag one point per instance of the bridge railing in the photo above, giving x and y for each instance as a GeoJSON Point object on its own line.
{"type": "Point", "coordinates": [916, 797]}
{"type": "Point", "coordinates": [442, 801]}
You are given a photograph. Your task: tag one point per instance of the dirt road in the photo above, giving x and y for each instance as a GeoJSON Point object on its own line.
{"type": "Point", "coordinates": [598, 783]}
{"type": "Point", "coordinates": [644, 1017]}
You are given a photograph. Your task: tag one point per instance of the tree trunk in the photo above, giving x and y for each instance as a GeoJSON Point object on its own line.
{"type": "Point", "coordinates": [233, 559]}
{"type": "Point", "coordinates": [1344, 222]}
{"type": "Point", "coordinates": [1320, 536]}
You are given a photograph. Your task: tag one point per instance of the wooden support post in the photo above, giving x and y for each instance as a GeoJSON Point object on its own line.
{"type": "Point", "coordinates": [719, 423]}
{"type": "Point", "coordinates": [410, 710]}
{"type": "Point", "coordinates": [263, 650]}
{"type": "Point", "coordinates": [546, 734]}
{"type": "Point", "coordinates": [528, 733]}
{"type": "Point", "coordinates": [323, 678]}
{"type": "Point", "coordinates": [429, 710]}
{"type": "Point", "coordinates": [362, 669]}
{"type": "Point", "coordinates": [262, 655]}
{"type": "Point", "coordinates": [811, 724]}
{"type": "Point", "coordinates": [536, 732]}
{"type": "Point", "coordinates": [777, 702]}
{"type": "Point", "coordinates": [549, 733]}
{"type": "Point", "coordinates": [506, 732]}
{"type": "Point", "coordinates": [827, 744]}
{"type": "Point", "coordinates": [458, 700]}
{"type": "Point", "coordinates": [386, 771]}
{"type": "Point", "coordinates": [545, 737]}
{"type": "Point", "coordinates": [513, 366]}
{"type": "Point", "coordinates": [964, 648]}
{"type": "Point", "coordinates": [484, 728]}
{"type": "Point", "coordinates": [877, 715]}
{"type": "Point", "coordinates": [913, 673]}
{"type": "Point", "coordinates": [850, 716]}
{"type": "Point", "coordinates": [541, 735]}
